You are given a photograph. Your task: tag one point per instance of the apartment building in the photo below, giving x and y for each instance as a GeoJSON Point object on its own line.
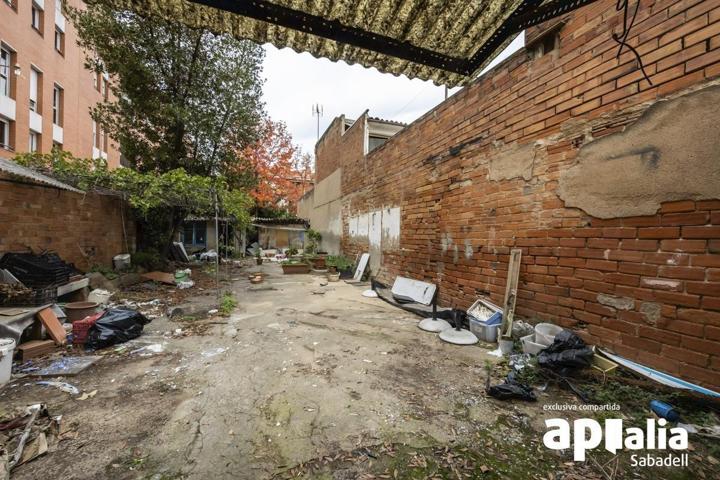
{"type": "Point", "coordinates": [46, 92]}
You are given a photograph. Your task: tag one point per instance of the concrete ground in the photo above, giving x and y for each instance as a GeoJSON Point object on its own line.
{"type": "Point", "coordinates": [301, 380]}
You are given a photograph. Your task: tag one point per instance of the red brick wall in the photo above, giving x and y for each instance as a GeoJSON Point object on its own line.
{"type": "Point", "coordinates": [646, 287]}
{"type": "Point", "coordinates": [336, 148]}
{"type": "Point", "coordinates": [82, 229]}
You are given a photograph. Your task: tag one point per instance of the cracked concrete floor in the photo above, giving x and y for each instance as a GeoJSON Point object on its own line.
{"type": "Point", "coordinates": [290, 376]}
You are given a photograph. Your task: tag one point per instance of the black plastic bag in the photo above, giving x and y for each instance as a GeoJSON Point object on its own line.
{"type": "Point", "coordinates": [512, 389]}
{"type": "Point", "coordinates": [568, 351]}
{"type": "Point", "coordinates": [115, 326]}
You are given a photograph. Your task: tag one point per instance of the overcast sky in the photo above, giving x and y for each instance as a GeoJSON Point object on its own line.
{"type": "Point", "coordinates": [296, 81]}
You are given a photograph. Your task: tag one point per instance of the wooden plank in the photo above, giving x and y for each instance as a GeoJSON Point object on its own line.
{"type": "Point", "coordinates": [511, 293]}
{"type": "Point", "coordinates": [161, 277]}
{"type": "Point", "coordinates": [72, 286]}
{"type": "Point", "coordinates": [35, 348]}
{"type": "Point", "coordinates": [52, 325]}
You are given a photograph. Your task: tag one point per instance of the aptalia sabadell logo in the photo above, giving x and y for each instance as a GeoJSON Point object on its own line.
{"type": "Point", "coordinates": [587, 434]}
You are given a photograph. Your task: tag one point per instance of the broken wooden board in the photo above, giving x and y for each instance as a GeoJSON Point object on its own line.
{"type": "Point", "coordinates": [160, 277]}
{"type": "Point", "coordinates": [11, 312]}
{"type": "Point", "coordinates": [52, 325]}
{"type": "Point", "coordinates": [511, 293]}
{"type": "Point", "coordinates": [35, 348]}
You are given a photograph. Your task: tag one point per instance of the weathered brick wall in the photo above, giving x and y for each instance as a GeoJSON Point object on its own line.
{"type": "Point", "coordinates": [82, 229]}
{"type": "Point", "coordinates": [607, 183]}
{"type": "Point", "coordinates": [336, 148]}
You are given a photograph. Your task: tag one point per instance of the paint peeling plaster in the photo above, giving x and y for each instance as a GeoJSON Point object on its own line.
{"type": "Point", "coordinates": [512, 161]}
{"type": "Point", "coordinates": [670, 153]}
{"type": "Point", "coordinates": [391, 228]}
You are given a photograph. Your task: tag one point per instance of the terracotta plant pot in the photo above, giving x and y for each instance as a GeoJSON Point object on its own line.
{"type": "Point", "coordinates": [258, 261]}
{"type": "Point", "coordinates": [79, 310]}
{"type": "Point", "coordinates": [318, 263]}
{"type": "Point", "coordinates": [292, 268]}
{"type": "Point", "coordinates": [333, 277]}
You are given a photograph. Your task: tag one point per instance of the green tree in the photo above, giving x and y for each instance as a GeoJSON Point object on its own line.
{"type": "Point", "coordinates": [181, 98]}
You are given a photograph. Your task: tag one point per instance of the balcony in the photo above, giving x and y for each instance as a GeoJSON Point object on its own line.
{"type": "Point", "coordinates": [35, 122]}
{"type": "Point", "coordinates": [57, 134]}
{"type": "Point", "coordinates": [7, 107]}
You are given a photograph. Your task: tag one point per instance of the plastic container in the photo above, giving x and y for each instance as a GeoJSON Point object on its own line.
{"type": "Point", "coordinates": [99, 296]}
{"type": "Point", "coordinates": [483, 331]}
{"type": "Point", "coordinates": [545, 333]}
{"type": "Point", "coordinates": [485, 312]}
{"type": "Point", "coordinates": [121, 261]}
{"type": "Point", "coordinates": [79, 310]}
{"type": "Point", "coordinates": [506, 346]}
{"type": "Point", "coordinates": [529, 345]}
{"type": "Point", "coordinates": [81, 328]}
{"type": "Point", "coordinates": [7, 348]}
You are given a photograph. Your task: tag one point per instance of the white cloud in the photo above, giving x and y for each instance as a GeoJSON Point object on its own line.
{"type": "Point", "coordinates": [296, 81]}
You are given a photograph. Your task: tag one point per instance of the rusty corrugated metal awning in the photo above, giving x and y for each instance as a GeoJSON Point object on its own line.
{"type": "Point", "coordinates": [446, 41]}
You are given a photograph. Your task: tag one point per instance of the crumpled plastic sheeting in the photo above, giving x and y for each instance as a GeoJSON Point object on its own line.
{"type": "Point", "coordinates": [116, 326]}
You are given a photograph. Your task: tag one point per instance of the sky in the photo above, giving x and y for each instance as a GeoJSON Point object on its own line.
{"type": "Point", "coordinates": [294, 82]}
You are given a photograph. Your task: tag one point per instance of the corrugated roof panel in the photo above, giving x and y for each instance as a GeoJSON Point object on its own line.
{"type": "Point", "coordinates": [442, 36]}
{"type": "Point", "coordinates": [12, 168]}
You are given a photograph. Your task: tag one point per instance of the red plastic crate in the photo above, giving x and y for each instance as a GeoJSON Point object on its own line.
{"type": "Point", "coordinates": [82, 327]}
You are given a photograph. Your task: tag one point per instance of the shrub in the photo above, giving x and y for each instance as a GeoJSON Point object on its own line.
{"type": "Point", "coordinates": [149, 260]}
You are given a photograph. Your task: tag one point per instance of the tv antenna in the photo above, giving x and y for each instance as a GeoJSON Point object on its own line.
{"type": "Point", "coordinates": [317, 111]}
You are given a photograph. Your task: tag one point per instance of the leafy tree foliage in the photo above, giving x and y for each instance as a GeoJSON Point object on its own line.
{"type": "Point", "coordinates": [150, 194]}
{"type": "Point", "coordinates": [183, 98]}
{"type": "Point", "coordinates": [282, 174]}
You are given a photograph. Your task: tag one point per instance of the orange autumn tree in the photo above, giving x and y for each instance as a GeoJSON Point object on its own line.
{"type": "Point", "coordinates": [282, 174]}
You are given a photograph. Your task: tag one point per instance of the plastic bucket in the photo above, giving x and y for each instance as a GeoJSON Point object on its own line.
{"type": "Point", "coordinates": [530, 346]}
{"type": "Point", "coordinates": [99, 296]}
{"type": "Point", "coordinates": [506, 346]}
{"type": "Point", "coordinates": [7, 347]}
{"type": "Point", "coordinates": [121, 261]}
{"type": "Point", "coordinates": [545, 333]}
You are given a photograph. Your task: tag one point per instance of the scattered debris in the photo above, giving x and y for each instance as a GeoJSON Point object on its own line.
{"type": "Point", "coordinates": [87, 395]}
{"type": "Point", "coordinates": [53, 326]}
{"type": "Point", "coordinates": [66, 366]}
{"type": "Point", "coordinates": [116, 326]}
{"type": "Point", "coordinates": [64, 386]}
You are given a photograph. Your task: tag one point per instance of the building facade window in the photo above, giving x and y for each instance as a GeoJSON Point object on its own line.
{"type": "Point", "coordinates": [5, 60]}
{"type": "Point", "coordinates": [5, 134]}
{"type": "Point", "coordinates": [35, 95]}
{"type": "Point", "coordinates": [34, 142]}
{"type": "Point", "coordinates": [36, 18]}
{"type": "Point", "coordinates": [58, 105]}
{"type": "Point", "coordinates": [194, 233]}
{"type": "Point", "coordinates": [59, 41]}
{"type": "Point", "coordinates": [95, 134]}
{"type": "Point", "coordinates": [12, 4]}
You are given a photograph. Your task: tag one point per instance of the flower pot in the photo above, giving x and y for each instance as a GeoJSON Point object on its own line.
{"type": "Point", "coordinates": [318, 263]}
{"type": "Point", "coordinates": [292, 268]}
{"type": "Point", "coordinates": [333, 277]}
{"type": "Point", "coordinates": [258, 261]}
{"type": "Point", "coordinates": [332, 269]}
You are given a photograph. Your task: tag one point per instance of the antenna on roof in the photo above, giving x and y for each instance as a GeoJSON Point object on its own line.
{"type": "Point", "coordinates": [317, 111]}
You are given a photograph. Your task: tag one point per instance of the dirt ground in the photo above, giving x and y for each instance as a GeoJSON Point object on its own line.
{"type": "Point", "coordinates": [300, 381]}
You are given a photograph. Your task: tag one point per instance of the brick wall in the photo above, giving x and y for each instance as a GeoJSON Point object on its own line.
{"type": "Point", "coordinates": [82, 229]}
{"type": "Point", "coordinates": [487, 171]}
{"type": "Point", "coordinates": [339, 145]}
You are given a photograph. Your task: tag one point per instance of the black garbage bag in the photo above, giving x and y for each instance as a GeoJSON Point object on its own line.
{"type": "Point", "coordinates": [116, 325]}
{"type": "Point", "coordinates": [568, 351]}
{"type": "Point", "coordinates": [510, 389]}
